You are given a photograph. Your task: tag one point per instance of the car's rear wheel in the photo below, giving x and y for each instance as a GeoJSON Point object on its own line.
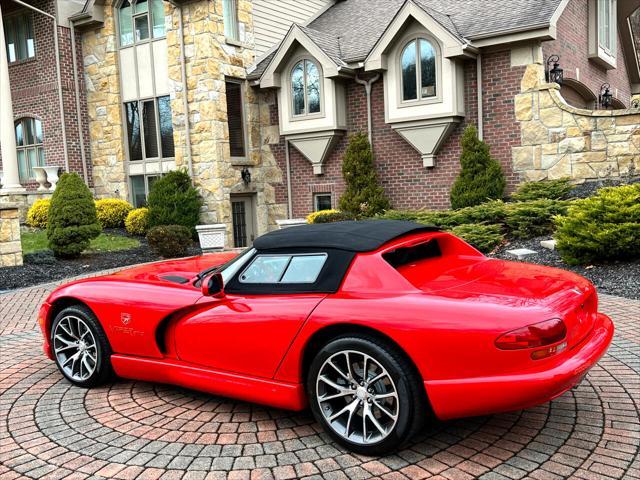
{"type": "Point", "coordinates": [80, 347]}
{"type": "Point", "coordinates": [366, 394]}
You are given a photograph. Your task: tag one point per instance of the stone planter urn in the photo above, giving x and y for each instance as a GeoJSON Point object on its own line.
{"type": "Point", "coordinates": [293, 222]}
{"type": "Point", "coordinates": [52, 176]}
{"type": "Point", "coordinates": [41, 178]}
{"type": "Point", "coordinates": [212, 237]}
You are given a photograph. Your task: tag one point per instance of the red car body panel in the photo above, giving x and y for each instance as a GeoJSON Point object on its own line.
{"type": "Point", "coordinates": [445, 313]}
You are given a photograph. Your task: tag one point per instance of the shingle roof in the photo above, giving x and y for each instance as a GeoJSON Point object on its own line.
{"type": "Point", "coordinates": [349, 30]}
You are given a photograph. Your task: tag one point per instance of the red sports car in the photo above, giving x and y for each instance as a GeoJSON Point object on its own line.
{"type": "Point", "coordinates": [371, 324]}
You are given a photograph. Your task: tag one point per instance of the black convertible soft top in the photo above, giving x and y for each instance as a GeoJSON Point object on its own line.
{"type": "Point", "coordinates": [353, 236]}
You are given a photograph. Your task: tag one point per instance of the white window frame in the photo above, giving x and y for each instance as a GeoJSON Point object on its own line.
{"type": "Point", "coordinates": [605, 54]}
{"type": "Point", "coordinates": [318, 195]}
{"type": "Point", "coordinates": [148, 14]}
{"type": "Point", "coordinates": [437, 98]}
{"type": "Point", "coordinates": [305, 115]}
{"type": "Point", "coordinates": [27, 172]}
{"type": "Point", "coordinates": [230, 22]}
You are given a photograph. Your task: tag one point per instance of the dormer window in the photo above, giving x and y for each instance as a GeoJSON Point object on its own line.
{"type": "Point", "coordinates": [305, 88]}
{"type": "Point", "coordinates": [418, 67]}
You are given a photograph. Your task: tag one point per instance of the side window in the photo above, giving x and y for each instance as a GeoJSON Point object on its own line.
{"type": "Point", "coordinates": [284, 269]}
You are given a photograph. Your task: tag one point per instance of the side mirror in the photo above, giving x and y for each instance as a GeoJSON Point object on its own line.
{"type": "Point", "coordinates": [213, 286]}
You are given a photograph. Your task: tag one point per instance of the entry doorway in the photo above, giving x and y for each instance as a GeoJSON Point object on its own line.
{"type": "Point", "coordinates": [243, 212]}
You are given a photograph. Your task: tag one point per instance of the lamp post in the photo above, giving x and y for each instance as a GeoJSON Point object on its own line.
{"type": "Point", "coordinates": [605, 96]}
{"type": "Point", "coordinates": [555, 74]}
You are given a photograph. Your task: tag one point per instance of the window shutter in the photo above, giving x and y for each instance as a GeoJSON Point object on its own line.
{"type": "Point", "coordinates": [235, 117]}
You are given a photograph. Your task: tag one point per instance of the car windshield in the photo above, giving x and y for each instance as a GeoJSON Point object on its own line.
{"type": "Point", "coordinates": [229, 268]}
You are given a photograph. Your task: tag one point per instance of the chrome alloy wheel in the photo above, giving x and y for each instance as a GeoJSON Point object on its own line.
{"type": "Point", "coordinates": [75, 348]}
{"type": "Point", "coordinates": [357, 397]}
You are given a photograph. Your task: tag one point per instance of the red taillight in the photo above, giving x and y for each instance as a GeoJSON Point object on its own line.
{"type": "Point", "coordinates": [532, 336]}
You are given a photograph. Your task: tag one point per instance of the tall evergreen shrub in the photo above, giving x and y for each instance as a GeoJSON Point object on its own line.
{"type": "Point", "coordinates": [174, 201]}
{"type": "Point", "coordinates": [481, 177]}
{"type": "Point", "coordinates": [72, 217]}
{"type": "Point", "coordinates": [364, 196]}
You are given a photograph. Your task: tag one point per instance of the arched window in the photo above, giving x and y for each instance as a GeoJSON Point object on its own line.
{"type": "Point", "coordinates": [29, 146]}
{"type": "Point", "coordinates": [140, 20]}
{"type": "Point", "coordinates": [418, 66]}
{"type": "Point", "coordinates": [305, 88]}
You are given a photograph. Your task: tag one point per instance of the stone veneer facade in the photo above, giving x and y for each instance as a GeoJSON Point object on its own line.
{"type": "Point", "coordinates": [10, 246]}
{"type": "Point", "coordinates": [559, 140]}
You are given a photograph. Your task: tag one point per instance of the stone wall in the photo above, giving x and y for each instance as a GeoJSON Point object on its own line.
{"type": "Point", "coordinates": [102, 83]}
{"type": "Point", "coordinates": [210, 60]}
{"type": "Point", "coordinates": [10, 246]}
{"type": "Point", "coordinates": [558, 140]}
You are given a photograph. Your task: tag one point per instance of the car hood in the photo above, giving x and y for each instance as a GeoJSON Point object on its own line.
{"type": "Point", "coordinates": [172, 270]}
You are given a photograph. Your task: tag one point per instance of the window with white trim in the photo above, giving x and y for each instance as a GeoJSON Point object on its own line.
{"type": "Point", "coordinates": [230, 19]}
{"type": "Point", "coordinates": [29, 149]}
{"type": "Point", "coordinates": [322, 201]}
{"type": "Point", "coordinates": [305, 88]}
{"type": "Point", "coordinates": [607, 26]}
{"type": "Point", "coordinates": [140, 20]}
{"type": "Point", "coordinates": [149, 129]}
{"type": "Point", "coordinates": [19, 38]}
{"type": "Point", "coordinates": [418, 70]}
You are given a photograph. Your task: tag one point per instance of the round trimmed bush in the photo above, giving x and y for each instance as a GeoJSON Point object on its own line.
{"type": "Point", "coordinates": [169, 241]}
{"type": "Point", "coordinates": [174, 201]}
{"type": "Point", "coordinates": [137, 221]}
{"type": "Point", "coordinates": [112, 212]}
{"type": "Point", "coordinates": [72, 217]}
{"type": "Point", "coordinates": [38, 214]}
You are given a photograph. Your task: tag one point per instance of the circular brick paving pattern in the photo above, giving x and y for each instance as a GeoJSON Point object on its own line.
{"type": "Point", "coordinates": [51, 429]}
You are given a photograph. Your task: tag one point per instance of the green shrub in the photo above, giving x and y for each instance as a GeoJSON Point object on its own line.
{"type": "Point", "coordinates": [137, 221]}
{"type": "Point", "coordinates": [534, 218]}
{"type": "Point", "coordinates": [328, 216]}
{"type": "Point", "coordinates": [484, 237]}
{"type": "Point", "coordinates": [603, 227]}
{"type": "Point", "coordinates": [363, 197]}
{"type": "Point", "coordinates": [554, 189]}
{"type": "Point", "coordinates": [169, 241]}
{"type": "Point", "coordinates": [481, 176]}
{"type": "Point", "coordinates": [174, 201]}
{"type": "Point", "coordinates": [38, 214]}
{"type": "Point", "coordinates": [112, 212]}
{"type": "Point", "coordinates": [72, 217]}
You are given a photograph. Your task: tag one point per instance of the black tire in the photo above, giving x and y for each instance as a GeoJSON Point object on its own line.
{"type": "Point", "coordinates": [102, 371]}
{"type": "Point", "coordinates": [412, 404]}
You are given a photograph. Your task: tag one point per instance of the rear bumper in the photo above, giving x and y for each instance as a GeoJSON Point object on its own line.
{"type": "Point", "coordinates": [485, 395]}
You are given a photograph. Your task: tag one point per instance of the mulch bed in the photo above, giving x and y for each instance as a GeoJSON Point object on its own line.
{"type": "Point", "coordinates": [43, 267]}
{"type": "Point", "coordinates": [616, 278]}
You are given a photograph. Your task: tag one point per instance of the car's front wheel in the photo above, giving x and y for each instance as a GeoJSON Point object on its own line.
{"type": "Point", "coordinates": [80, 347]}
{"type": "Point", "coordinates": [366, 394]}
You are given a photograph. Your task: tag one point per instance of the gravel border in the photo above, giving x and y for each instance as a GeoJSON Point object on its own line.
{"type": "Point", "coordinates": [616, 278]}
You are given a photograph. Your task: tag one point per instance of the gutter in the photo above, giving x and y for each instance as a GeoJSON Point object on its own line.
{"type": "Point", "coordinates": [288, 166]}
{"type": "Point", "coordinates": [56, 46]}
{"type": "Point", "coordinates": [367, 87]}
{"type": "Point", "coordinates": [479, 89]}
{"type": "Point", "coordinates": [76, 85]}
{"type": "Point", "coordinates": [185, 93]}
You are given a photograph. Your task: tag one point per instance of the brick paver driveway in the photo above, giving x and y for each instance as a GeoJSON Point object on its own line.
{"type": "Point", "coordinates": [137, 430]}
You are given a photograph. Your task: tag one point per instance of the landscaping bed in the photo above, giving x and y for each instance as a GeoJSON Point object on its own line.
{"type": "Point", "coordinates": [109, 250]}
{"type": "Point", "coordinates": [614, 278]}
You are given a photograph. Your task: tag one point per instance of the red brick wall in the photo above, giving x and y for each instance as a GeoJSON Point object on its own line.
{"type": "Point", "coordinates": [408, 184]}
{"type": "Point", "coordinates": [572, 45]}
{"type": "Point", "coordinates": [35, 94]}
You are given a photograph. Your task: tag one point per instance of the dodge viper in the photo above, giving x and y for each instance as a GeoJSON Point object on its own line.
{"type": "Point", "coordinates": [372, 325]}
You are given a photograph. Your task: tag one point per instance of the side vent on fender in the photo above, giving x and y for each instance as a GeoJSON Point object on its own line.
{"type": "Point", "coordinates": [175, 279]}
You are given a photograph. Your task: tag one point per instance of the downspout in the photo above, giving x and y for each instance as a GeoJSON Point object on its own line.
{"type": "Point", "coordinates": [288, 165]}
{"type": "Point", "coordinates": [479, 87]}
{"type": "Point", "coordinates": [78, 107]}
{"type": "Point", "coordinates": [185, 94]}
{"type": "Point", "coordinates": [58, 76]}
{"type": "Point", "coordinates": [367, 88]}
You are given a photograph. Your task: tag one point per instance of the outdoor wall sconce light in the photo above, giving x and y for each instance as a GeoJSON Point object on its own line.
{"type": "Point", "coordinates": [555, 74]}
{"type": "Point", "coordinates": [635, 103]}
{"type": "Point", "coordinates": [246, 176]}
{"type": "Point", "coordinates": [605, 95]}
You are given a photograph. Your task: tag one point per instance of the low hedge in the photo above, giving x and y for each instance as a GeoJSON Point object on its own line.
{"type": "Point", "coordinates": [484, 237]}
{"type": "Point", "coordinates": [603, 227]}
{"type": "Point", "coordinates": [112, 212]}
{"type": "Point", "coordinates": [38, 214]}
{"type": "Point", "coordinates": [328, 216]}
{"type": "Point", "coordinates": [170, 241]}
{"type": "Point", "coordinates": [553, 189]}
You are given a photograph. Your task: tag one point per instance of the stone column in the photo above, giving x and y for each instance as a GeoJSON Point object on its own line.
{"type": "Point", "coordinates": [11, 179]}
